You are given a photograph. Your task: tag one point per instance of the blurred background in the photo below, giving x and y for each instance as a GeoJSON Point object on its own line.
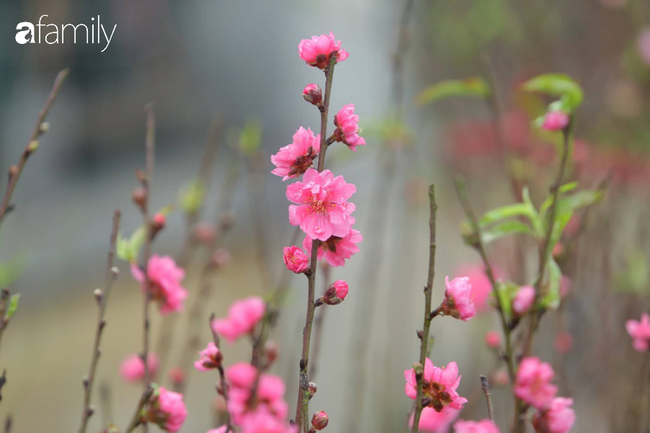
{"type": "Point", "coordinates": [226, 79]}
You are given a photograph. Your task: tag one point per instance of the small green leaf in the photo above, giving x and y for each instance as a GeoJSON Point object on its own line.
{"type": "Point", "coordinates": [560, 85]}
{"type": "Point", "coordinates": [13, 306]}
{"type": "Point", "coordinates": [448, 88]}
{"type": "Point", "coordinates": [506, 291]}
{"type": "Point", "coordinates": [566, 206]}
{"type": "Point", "coordinates": [10, 271]}
{"type": "Point", "coordinates": [129, 249]}
{"type": "Point", "coordinates": [249, 138]}
{"type": "Point", "coordinates": [192, 197]}
{"type": "Point", "coordinates": [551, 299]}
{"type": "Point", "coordinates": [509, 211]}
{"type": "Point", "coordinates": [505, 228]}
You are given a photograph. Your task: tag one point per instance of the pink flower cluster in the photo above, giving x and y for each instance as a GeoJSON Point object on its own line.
{"type": "Point", "coordinates": [435, 422]}
{"type": "Point", "coordinates": [559, 417]}
{"type": "Point", "coordinates": [483, 426]}
{"type": "Point", "coordinates": [294, 159]}
{"type": "Point", "coordinates": [439, 389]}
{"type": "Point", "coordinates": [318, 50]}
{"type": "Point", "coordinates": [347, 128]}
{"type": "Point", "coordinates": [167, 409]}
{"type": "Point", "coordinates": [523, 300]}
{"type": "Point", "coordinates": [164, 282]}
{"type": "Point", "coordinates": [640, 332]}
{"type": "Point", "coordinates": [336, 250]}
{"type": "Point", "coordinates": [209, 358]}
{"type": "Point", "coordinates": [458, 299]}
{"type": "Point", "coordinates": [243, 316]}
{"type": "Point", "coordinates": [132, 368]}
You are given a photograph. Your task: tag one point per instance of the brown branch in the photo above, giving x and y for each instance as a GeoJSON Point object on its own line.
{"type": "Point", "coordinates": [32, 144]}
{"type": "Point", "coordinates": [136, 420]}
{"type": "Point", "coordinates": [485, 386]}
{"type": "Point", "coordinates": [102, 300]}
{"type": "Point", "coordinates": [318, 325]}
{"type": "Point", "coordinates": [428, 315]}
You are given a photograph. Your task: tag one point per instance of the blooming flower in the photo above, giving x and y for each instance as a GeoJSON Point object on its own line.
{"type": "Point", "coordinates": [132, 368]}
{"type": "Point", "coordinates": [458, 299]}
{"type": "Point", "coordinates": [335, 293]}
{"type": "Point", "coordinates": [168, 410]}
{"type": "Point", "coordinates": [481, 286]}
{"type": "Point", "coordinates": [533, 382]}
{"type": "Point", "coordinates": [210, 358]}
{"type": "Point", "coordinates": [434, 422]}
{"type": "Point", "coordinates": [640, 332]}
{"type": "Point", "coordinates": [555, 121]}
{"type": "Point", "coordinates": [164, 282]}
{"type": "Point", "coordinates": [439, 390]}
{"type": "Point", "coordinates": [322, 208]}
{"type": "Point", "coordinates": [483, 426]}
{"type": "Point", "coordinates": [243, 315]}
{"type": "Point", "coordinates": [493, 339]}
{"type": "Point", "coordinates": [295, 260]}
{"type": "Point", "coordinates": [558, 418]}
{"type": "Point", "coordinates": [336, 250]}
{"type": "Point", "coordinates": [347, 128]}
{"type": "Point", "coordinates": [294, 159]}
{"type": "Point", "coordinates": [523, 300]}
{"type": "Point", "coordinates": [318, 50]}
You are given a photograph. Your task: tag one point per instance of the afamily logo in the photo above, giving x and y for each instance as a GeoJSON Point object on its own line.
{"type": "Point", "coordinates": [28, 33]}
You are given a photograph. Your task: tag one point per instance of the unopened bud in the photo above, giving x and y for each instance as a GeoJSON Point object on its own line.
{"type": "Point", "coordinates": [204, 233]}
{"type": "Point", "coordinates": [320, 420]}
{"type": "Point", "coordinates": [221, 258]}
{"type": "Point", "coordinates": [139, 196]}
{"type": "Point", "coordinates": [418, 369]}
{"type": "Point", "coordinates": [13, 171]}
{"type": "Point", "coordinates": [312, 389]}
{"type": "Point", "coordinates": [32, 146]}
{"type": "Point", "coordinates": [468, 234]}
{"type": "Point", "coordinates": [44, 127]}
{"type": "Point", "coordinates": [115, 271]}
{"type": "Point", "coordinates": [313, 94]}
{"type": "Point", "coordinates": [271, 350]}
{"type": "Point", "coordinates": [99, 295]}
{"type": "Point", "coordinates": [177, 375]}
{"type": "Point", "coordinates": [335, 293]}
{"type": "Point", "coordinates": [158, 223]}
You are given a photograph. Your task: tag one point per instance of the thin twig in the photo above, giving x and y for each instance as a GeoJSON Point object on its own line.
{"type": "Point", "coordinates": [223, 387]}
{"type": "Point", "coordinates": [428, 316]}
{"type": "Point", "coordinates": [318, 325]}
{"type": "Point", "coordinates": [32, 144]}
{"type": "Point", "coordinates": [102, 300]}
{"type": "Point", "coordinates": [136, 420]}
{"type": "Point", "coordinates": [485, 386]}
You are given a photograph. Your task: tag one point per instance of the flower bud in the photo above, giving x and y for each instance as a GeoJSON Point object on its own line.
{"type": "Point", "coordinates": [99, 295]}
{"type": "Point", "coordinates": [44, 127]}
{"type": "Point", "coordinates": [320, 420]}
{"type": "Point", "coordinates": [271, 350]}
{"type": "Point", "coordinates": [493, 339]}
{"type": "Point", "coordinates": [312, 389]}
{"type": "Point", "coordinates": [33, 145]}
{"type": "Point", "coordinates": [555, 121]}
{"type": "Point", "coordinates": [221, 258]}
{"type": "Point", "coordinates": [523, 300]}
{"type": "Point", "coordinates": [204, 233]}
{"type": "Point", "coordinates": [295, 259]}
{"type": "Point", "coordinates": [139, 196]}
{"type": "Point", "coordinates": [176, 375]}
{"type": "Point", "coordinates": [313, 94]}
{"type": "Point", "coordinates": [336, 293]}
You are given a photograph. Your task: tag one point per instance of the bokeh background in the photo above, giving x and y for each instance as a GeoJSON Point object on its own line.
{"type": "Point", "coordinates": [237, 62]}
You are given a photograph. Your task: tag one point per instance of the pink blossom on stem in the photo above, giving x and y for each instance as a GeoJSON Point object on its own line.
{"type": "Point", "coordinates": [439, 389]}
{"type": "Point", "coordinates": [295, 260]}
{"type": "Point", "coordinates": [493, 339]}
{"type": "Point", "coordinates": [318, 50]}
{"type": "Point", "coordinates": [209, 358]}
{"type": "Point", "coordinates": [335, 293]}
{"type": "Point", "coordinates": [132, 368]}
{"type": "Point", "coordinates": [312, 94]}
{"type": "Point", "coordinates": [320, 420]}
{"type": "Point", "coordinates": [458, 299]}
{"type": "Point", "coordinates": [558, 418]}
{"type": "Point", "coordinates": [322, 209]}
{"type": "Point", "coordinates": [483, 426]}
{"type": "Point", "coordinates": [347, 128]}
{"type": "Point", "coordinates": [243, 315]}
{"type": "Point", "coordinates": [555, 121]}
{"type": "Point", "coordinates": [164, 282]}
{"type": "Point", "coordinates": [523, 300]}
{"type": "Point", "coordinates": [294, 159]}
{"type": "Point", "coordinates": [481, 286]}
{"type": "Point", "coordinates": [435, 422]}
{"type": "Point", "coordinates": [640, 332]}
{"type": "Point", "coordinates": [336, 250]}
{"type": "Point", "coordinates": [533, 382]}
{"type": "Point", "coordinates": [170, 412]}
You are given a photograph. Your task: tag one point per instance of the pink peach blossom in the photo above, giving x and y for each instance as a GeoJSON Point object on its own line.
{"type": "Point", "coordinates": [483, 426]}
{"type": "Point", "coordinates": [335, 293]}
{"type": "Point", "coordinates": [555, 121]}
{"type": "Point", "coordinates": [318, 50]}
{"type": "Point", "coordinates": [500, 377]}
{"type": "Point", "coordinates": [481, 286]}
{"type": "Point", "coordinates": [320, 420]}
{"type": "Point", "coordinates": [171, 412]}
{"type": "Point", "coordinates": [132, 368]}
{"type": "Point", "coordinates": [336, 250]}
{"type": "Point", "coordinates": [347, 128]}
{"type": "Point", "coordinates": [243, 316]}
{"type": "Point", "coordinates": [164, 282]}
{"type": "Point", "coordinates": [458, 299]}
{"type": "Point", "coordinates": [294, 159]}
{"type": "Point", "coordinates": [222, 429]}
{"type": "Point", "coordinates": [493, 339]}
{"type": "Point", "coordinates": [210, 358]}
{"type": "Point", "coordinates": [295, 260]}
{"type": "Point", "coordinates": [440, 386]}
{"type": "Point", "coordinates": [322, 208]}
{"type": "Point", "coordinates": [558, 418]}
{"type": "Point", "coordinates": [262, 421]}
{"type": "Point", "coordinates": [312, 94]}
{"type": "Point", "coordinates": [640, 332]}
{"type": "Point", "coordinates": [523, 300]}
{"type": "Point", "coordinates": [435, 422]}
{"type": "Point", "coordinates": [533, 382]}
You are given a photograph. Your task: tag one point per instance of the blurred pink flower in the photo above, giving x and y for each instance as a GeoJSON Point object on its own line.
{"type": "Point", "coordinates": [643, 43]}
{"type": "Point", "coordinates": [243, 315]}
{"type": "Point", "coordinates": [493, 339]}
{"type": "Point", "coordinates": [563, 342]}
{"type": "Point", "coordinates": [640, 332]}
{"type": "Point", "coordinates": [323, 209]}
{"type": "Point", "coordinates": [164, 282]}
{"type": "Point", "coordinates": [335, 293]}
{"type": "Point", "coordinates": [435, 422]}
{"type": "Point", "coordinates": [132, 368]}
{"type": "Point", "coordinates": [262, 421]}
{"type": "Point", "coordinates": [222, 429]}
{"type": "Point", "coordinates": [558, 418]}
{"type": "Point", "coordinates": [317, 50]}
{"type": "Point", "coordinates": [176, 375]}
{"type": "Point", "coordinates": [171, 412]}
{"type": "Point", "coordinates": [294, 159]}
{"type": "Point", "coordinates": [347, 128]}
{"type": "Point", "coordinates": [481, 286]}
{"type": "Point", "coordinates": [556, 121]}
{"type": "Point", "coordinates": [533, 382]}
{"type": "Point", "coordinates": [483, 426]}
{"type": "Point", "coordinates": [336, 250]}
{"type": "Point", "coordinates": [458, 299]}
{"type": "Point", "coordinates": [209, 358]}
{"type": "Point", "coordinates": [295, 259]}
{"type": "Point", "coordinates": [565, 286]}
{"type": "Point", "coordinates": [440, 386]}
{"type": "Point", "coordinates": [523, 300]}
{"type": "Point", "coordinates": [500, 377]}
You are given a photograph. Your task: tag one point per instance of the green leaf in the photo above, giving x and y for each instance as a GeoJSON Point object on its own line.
{"type": "Point", "coordinates": [129, 249]}
{"type": "Point", "coordinates": [504, 212]}
{"type": "Point", "coordinates": [13, 306]}
{"type": "Point", "coordinates": [563, 189]}
{"type": "Point", "coordinates": [448, 88]}
{"type": "Point", "coordinates": [551, 299]}
{"type": "Point", "coordinates": [505, 228]}
{"type": "Point", "coordinates": [506, 291]}
{"type": "Point", "coordinates": [566, 206]}
{"type": "Point", "coordinates": [192, 197]}
{"type": "Point", "coordinates": [10, 271]}
{"type": "Point", "coordinates": [560, 85]}
{"type": "Point", "coordinates": [249, 138]}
